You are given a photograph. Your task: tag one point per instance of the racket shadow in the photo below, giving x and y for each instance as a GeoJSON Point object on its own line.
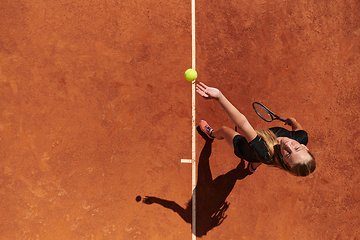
{"type": "Point", "coordinates": [211, 194]}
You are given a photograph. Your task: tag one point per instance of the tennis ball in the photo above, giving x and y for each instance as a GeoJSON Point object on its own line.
{"type": "Point", "coordinates": [190, 74]}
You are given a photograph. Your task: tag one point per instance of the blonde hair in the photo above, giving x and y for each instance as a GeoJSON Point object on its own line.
{"type": "Point", "coordinates": [273, 147]}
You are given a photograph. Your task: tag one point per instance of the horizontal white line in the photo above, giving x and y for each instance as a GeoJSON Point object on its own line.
{"type": "Point", "coordinates": [186, 160]}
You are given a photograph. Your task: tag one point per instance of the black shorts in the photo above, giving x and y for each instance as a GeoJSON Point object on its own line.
{"type": "Point", "coordinates": [243, 150]}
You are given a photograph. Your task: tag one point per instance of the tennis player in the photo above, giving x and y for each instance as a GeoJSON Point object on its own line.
{"type": "Point", "coordinates": [276, 146]}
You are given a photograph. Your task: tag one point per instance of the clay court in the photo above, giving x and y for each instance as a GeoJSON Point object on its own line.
{"type": "Point", "coordinates": [95, 111]}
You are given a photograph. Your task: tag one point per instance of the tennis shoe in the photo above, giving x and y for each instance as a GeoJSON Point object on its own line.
{"type": "Point", "coordinates": [204, 126]}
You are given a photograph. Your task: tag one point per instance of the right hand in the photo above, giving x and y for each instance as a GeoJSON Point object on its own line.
{"type": "Point", "coordinates": [290, 121]}
{"type": "Point", "coordinates": [207, 92]}
{"type": "Point", "coordinates": [293, 123]}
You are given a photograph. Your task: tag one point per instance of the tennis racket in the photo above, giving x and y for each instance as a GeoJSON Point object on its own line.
{"type": "Point", "coordinates": [265, 113]}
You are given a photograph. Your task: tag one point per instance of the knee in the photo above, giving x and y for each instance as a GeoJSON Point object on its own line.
{"type": "Point", "coordinates": [224, 128]}
{"type": "Point", "coordinates": [224, 131]}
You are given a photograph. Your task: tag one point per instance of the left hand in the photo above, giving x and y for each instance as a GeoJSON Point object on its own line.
{"type": "Point", "coordinates": [207, 92]}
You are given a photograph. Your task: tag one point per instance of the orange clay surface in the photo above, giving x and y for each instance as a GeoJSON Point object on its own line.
{"type": "Point", "coordinates": [95, 111]}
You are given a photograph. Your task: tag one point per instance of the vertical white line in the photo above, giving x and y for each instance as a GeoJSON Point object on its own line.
{"type": "Point", "coordinates": [193, 164]}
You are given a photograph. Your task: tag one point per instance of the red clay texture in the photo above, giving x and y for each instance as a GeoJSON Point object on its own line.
{"type": "Point", "coordinates": [96, 117]}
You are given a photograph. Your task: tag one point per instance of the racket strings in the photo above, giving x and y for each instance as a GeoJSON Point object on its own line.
{"type": "Point", "coordinates": [263, 113]}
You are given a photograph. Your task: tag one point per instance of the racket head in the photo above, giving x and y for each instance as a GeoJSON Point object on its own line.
{"type": "Point", "coordinates": [263, 112]}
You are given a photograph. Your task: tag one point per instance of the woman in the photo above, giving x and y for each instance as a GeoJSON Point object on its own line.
{"type": "Point", "coordinates": [275, 146]}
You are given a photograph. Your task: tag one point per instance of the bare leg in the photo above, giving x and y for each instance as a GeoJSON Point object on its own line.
{"type": "Point", "coordinates": [225, 133]}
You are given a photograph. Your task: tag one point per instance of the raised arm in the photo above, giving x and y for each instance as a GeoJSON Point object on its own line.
{"type": "Point", "coordinates": [238, 118]}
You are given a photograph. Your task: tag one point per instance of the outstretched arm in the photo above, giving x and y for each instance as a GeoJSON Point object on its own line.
{"type": "Point", "coordinates": [238, 118]}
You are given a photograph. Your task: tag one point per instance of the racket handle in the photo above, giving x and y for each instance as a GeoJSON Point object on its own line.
{"type": "Point", "coordinates": [283, 119]}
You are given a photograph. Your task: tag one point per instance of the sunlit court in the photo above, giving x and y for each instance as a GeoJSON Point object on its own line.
{"type": "Point", "coordinates": [99, 128]}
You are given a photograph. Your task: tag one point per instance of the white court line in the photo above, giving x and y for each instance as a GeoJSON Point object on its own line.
{"type": "Point", "coordinates": [193, 152]}
{"type": "Point", "coordinates": [193, 164]}
{"type": "Point", "coordinates": [186, 160]}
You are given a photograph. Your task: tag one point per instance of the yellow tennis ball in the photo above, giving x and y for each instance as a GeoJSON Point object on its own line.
{"type": "Point", "coordinates": [190, 74]}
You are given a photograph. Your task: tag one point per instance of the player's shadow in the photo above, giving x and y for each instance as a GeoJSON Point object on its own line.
{"type": "Point", "coordinates": [211, 194]}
